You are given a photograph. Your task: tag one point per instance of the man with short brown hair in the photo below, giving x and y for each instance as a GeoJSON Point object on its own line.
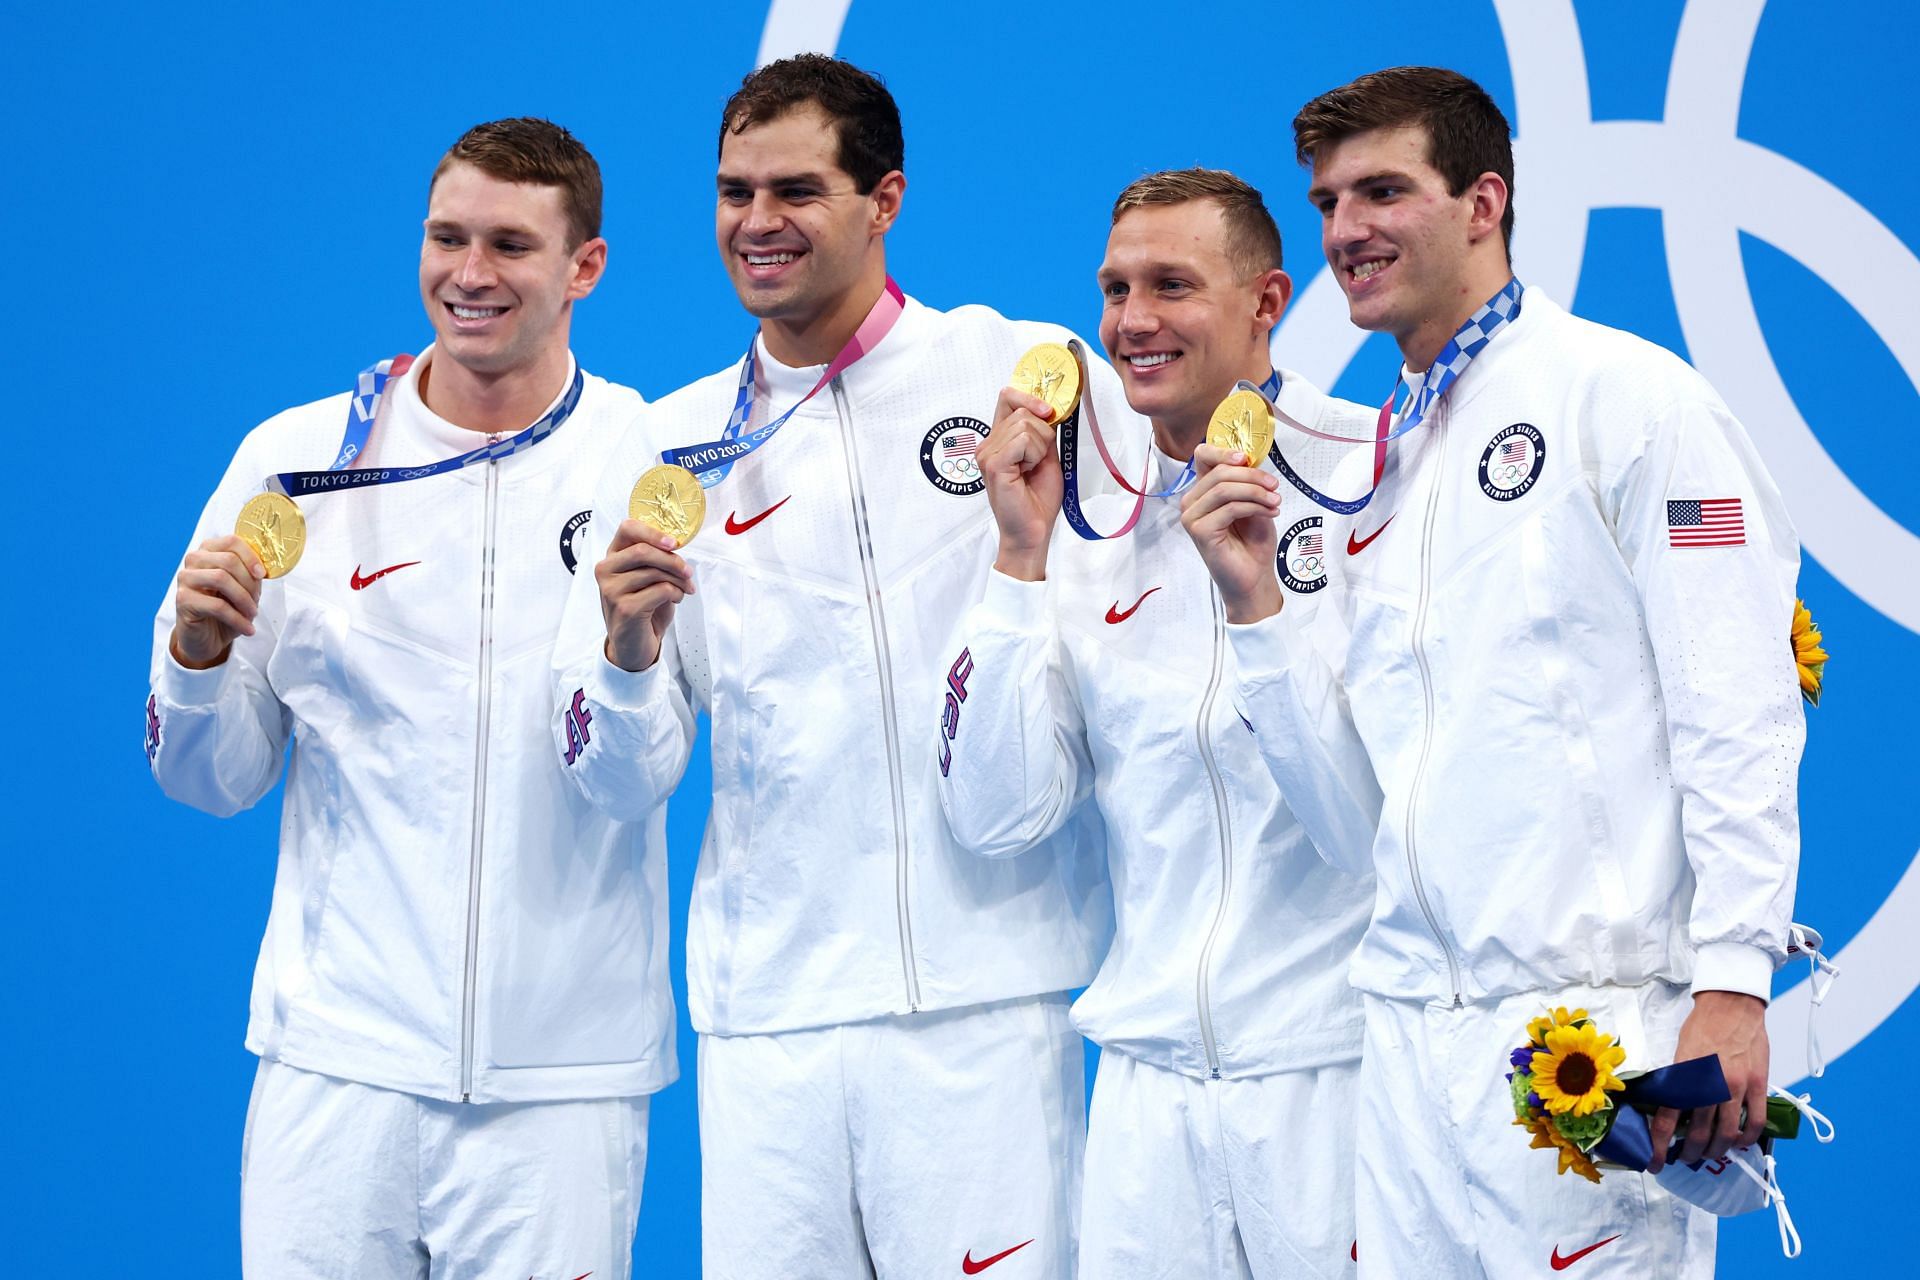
{"type": "Point", "coordinates": [889, 1084]}
{"type": "Point", "coordinates": [1220, 1141]}
{"type": "Point", "coordinates": [1568, 599]}
{"type": "Point", "coordinates": [462, 1003]}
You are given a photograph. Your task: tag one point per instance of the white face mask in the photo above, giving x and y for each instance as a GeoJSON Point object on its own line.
{"type": "Point", "coordinates": [1746, 1178]}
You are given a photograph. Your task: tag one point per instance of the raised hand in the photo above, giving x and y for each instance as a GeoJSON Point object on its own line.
{"type": "Point", "coordinates": [1024, 482]}
{"type": "Point", "coordinates": [641, 579]}
{"type": "Point", "coordinates": [216, 597]}
{"type": "Point", "coordinates": [1229, 513]}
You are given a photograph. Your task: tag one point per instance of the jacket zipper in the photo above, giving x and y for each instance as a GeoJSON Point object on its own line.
{"type": "Point", "coordinates": [1426, 694]}
{"type": "Point", "coordinates": [482, 717]}
{"type": "Point", "coordinates": [1203, 996]}
{"type": "Point", "coordinates": [877, 617]}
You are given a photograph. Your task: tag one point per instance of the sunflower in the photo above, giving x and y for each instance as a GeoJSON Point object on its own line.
{"type": "Point", "coordinates": [1538, 1028]}
{"type": "Point", "coordinates": [1575, 1070]}
{"type": "Point", "coordinates": [1808, 656]}
{"type": "Point", "coordinates": [1571, 1157]}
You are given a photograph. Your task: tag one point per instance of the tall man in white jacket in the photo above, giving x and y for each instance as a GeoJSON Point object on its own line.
{"type": "Point", "coordinates": [888, 1080]}
{"type": "Point", "coordinates": [461, 1003]}
{"type": "Point", "coordinates": [1569, 665]}
{"type": "Point", "coordinates": [1221, 1138]}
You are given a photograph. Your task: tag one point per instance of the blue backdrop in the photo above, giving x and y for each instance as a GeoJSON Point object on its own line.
{"type": "Point", "coordinates": [213, 215]}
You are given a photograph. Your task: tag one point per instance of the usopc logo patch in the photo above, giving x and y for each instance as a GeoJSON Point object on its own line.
{"type": "Point", "coordinates": [1512, 462]}
{"type": "Point", "coordinates": [570, 539]}
{"type": "Point", "coordinates": [949, 452]}
{"type": "Point", "coordinates": [1302, 557]}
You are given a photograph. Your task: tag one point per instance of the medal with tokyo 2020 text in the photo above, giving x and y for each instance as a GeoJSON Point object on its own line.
{"type": "Point", "coordinates": [1050, 372]}
{"type": "Point", "coordinates": [272, 525]}
{"type": "Point", "coordinates": [1242, 421]}
{"type": "Point", "coordinates": [671, 500]}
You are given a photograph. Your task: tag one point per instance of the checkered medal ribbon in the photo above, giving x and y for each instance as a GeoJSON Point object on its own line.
{"type": "Point", "coordinates": [1468, 341]}
{"type": "Point", "coordinates": [363, 408]}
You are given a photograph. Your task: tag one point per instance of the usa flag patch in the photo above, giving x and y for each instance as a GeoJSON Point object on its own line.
{"type": "Point", "coordinates": [1706, 522]}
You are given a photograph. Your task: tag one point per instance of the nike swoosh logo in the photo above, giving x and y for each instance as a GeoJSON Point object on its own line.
{"type": "Point", "coordinates": [1561, 1264]}
{"type": "Point", "coordinates": [1356, 545]}
{"type": "Point", "coordinates": [972, 1268]}
{"type": "Point", "coordinates": [359, 583]}
{"type": "Point", "coordinates": [741, 526]}
{"type": "Point", "coordinates": [1116, 617]}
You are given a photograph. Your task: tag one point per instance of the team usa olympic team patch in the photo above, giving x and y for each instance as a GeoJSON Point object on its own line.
{"type": "Point", "coordinates": [570, 539]}
{"type": "Point", "coordinates": [949, 452]}
{"type": "Point", "coordinates": [1512, 462]}
{"type": "Point", "coordinates": [1302, 557]}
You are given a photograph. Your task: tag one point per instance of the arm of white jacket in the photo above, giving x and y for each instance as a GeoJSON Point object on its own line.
{"type": "Point", "coordinates": [623, 737]}
{"type": "Point", "coordinates": [216, 738]}
{"type": "Point", "coordinates": [1719, 619]}
{"type": "Point", "coordinates": [1013, 758]}
{"type": "Point", "coordinates": [1292, 695]}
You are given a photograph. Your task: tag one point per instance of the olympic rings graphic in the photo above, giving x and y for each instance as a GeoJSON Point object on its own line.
{"type": "Point", "coordinates": [1306, 567]}
{"type": "Point", "coordinates": [1710, 185]}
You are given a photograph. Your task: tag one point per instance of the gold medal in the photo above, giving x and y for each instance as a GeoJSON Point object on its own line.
{"type": "Point", "coordinates": [671, 500]}
{"type": "Point", "coordinates": [1242, 421]}
{"type": "Point", "coordinates": [273, 526]}
{"type": "Point", "coordinates": [1050, 372]}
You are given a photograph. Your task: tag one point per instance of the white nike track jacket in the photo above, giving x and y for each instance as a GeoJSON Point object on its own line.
{"type": "Point", "coordinates": [1114, 677]}
{"type": "Point", "coordinates": [450, 918]}
{"type": "Point", "coordinates": [830, 579]}
{"type": "Point", "coordinates": [1569, 665]}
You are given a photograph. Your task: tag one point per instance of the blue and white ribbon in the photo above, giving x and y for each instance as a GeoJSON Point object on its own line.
{"type": "Point", "coordinates": [1468, 341]}
{"type": "Point", "coordinates": [369, 390]}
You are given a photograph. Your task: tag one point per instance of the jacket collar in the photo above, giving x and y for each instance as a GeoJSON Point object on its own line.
{"type": "Point", "coordinates": [783, 385]}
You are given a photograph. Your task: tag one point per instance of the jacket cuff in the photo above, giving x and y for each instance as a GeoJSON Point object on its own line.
{"type": "Point", "coordinates": [1261, 650]}
{"type": "Point", "coordinates": [183, 687]}
{"type": "Point", "coordinates": [1013, 604]}
{"type": "Point", "coordinates": [624, 690]}
{"type": "Point", "coordinates": [1733, 966]}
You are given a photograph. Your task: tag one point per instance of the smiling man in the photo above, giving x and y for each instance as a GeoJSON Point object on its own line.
{"type": "Point", "coordinates": [1569, 610]}
{"type": "Point", "coordinates": [461, 1003]}
{"type": "Point", "coordinates": [888, 1080]}
{"type": "Point", "coordinates": [1221, 1138]}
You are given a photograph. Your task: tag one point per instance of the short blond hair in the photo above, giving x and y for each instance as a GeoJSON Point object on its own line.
{"type": "Point", "coordinates": [1253, 241]}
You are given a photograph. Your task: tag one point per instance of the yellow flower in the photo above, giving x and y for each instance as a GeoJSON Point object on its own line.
{"type": "Point", "coordinates": [1538, 1028]}
{"type": "Point", "coordinates": [1808, 656]}
{"type": "Point", "coordinates": [1571, 1157]}
{"type": "Point", "coordinates": [1575, 1071]}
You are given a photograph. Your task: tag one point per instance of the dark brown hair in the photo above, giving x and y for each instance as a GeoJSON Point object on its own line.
{"type": "Point", "coordinates": [1467, 134]}
{"type": "Point", "coordinates": [1253, 241]}
{"type": "Point", "coordinates": [526, 149]}
{"type": "Point", "coordinates": [863, 112]}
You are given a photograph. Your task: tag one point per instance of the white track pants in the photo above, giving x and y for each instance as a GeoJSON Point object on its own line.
{"type": "Point", "coordinates": [345, 1180]}
{"type": "Point", "coordinates": [925, 1145]}
{"type": "Point", "coordinates": [1238, 1179]}
{"type": "Point", "coordinates": [1447, 1183]}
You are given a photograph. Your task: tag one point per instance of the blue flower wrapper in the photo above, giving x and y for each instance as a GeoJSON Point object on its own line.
{"type": "Point", "coordinates": [1684, 1086]}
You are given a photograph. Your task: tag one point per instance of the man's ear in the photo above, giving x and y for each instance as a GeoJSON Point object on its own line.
{"type": "Point", "coordinates": [886, 196]}
{"type": "Point", "coordinates": [589, 264]}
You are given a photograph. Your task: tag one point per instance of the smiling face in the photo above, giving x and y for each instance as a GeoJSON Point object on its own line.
{"type": "Point", "coordinates": [803, 247]}
{"type": "Point", "coordinates": [497, 276]}
{"type": "Point", "coordinates": [1180, 321]}
{"type": "Point", "coordinates": [1414, 260]}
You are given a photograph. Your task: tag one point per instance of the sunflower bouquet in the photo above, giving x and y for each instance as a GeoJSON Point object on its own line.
{"type": "Point", "coordinates": [1809, 659]}
{"type": "Point", "coordinates": [1570, 1094]}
